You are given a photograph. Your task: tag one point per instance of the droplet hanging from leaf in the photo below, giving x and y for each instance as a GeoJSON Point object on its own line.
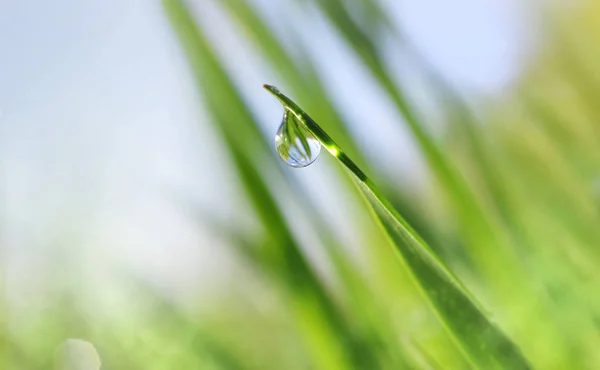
{"type": "Point", "coordinates": [296, 146]}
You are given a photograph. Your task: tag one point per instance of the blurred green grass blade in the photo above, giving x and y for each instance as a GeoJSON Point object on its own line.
{"type": "Point", "coordinates": [481, 340]}
{"type": "Point", "coordinates": [578, 74]}
{"type": "Point", "coordinates": [197, 342]}
{"type": "Point", "coordinates": [497, 185]}
{"type": "Point", "coordinates": [476, 221]}
{"type": "Point", "coordinates": [427, 362]}
{"type": "Point", "coordinates": [370, 319]}
{"type": "Point", "coordinates": [4, 338]}
{"type": "Point", "coordinates": [225, 104]}
{"type": "Point", "coordinates": [448, 177]}
{"type": "Point", "coordinates": [365, 46]}
{"type": "Point", "coordinates": [317, 313]}
{"type": "Point", "coordinates": [462, 119]}
{"type": "Point", "coordinates": [214, 83]}
{"type": "Point", "coordinates": [366, 49]}
{"type": "Point", "coordinates": [314, 307]}
{"type": "Point", "coordinates": [299, 72]}
{"type": "Point", "coordinates": [311, 301]}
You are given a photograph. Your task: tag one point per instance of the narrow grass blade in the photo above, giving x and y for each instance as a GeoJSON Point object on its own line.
{"type": "Point", "coordinates": [485, 345]}
{"type": "Point", "coordinates": [473, 219]}
{"type": "Point", "coordinates": [328, 335]}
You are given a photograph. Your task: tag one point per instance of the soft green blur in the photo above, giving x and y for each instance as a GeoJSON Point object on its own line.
{"type": "Point", "coordinates": [512, 207]}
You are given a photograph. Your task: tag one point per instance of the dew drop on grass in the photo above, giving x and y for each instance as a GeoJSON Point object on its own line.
{"type": "Point", "coordinates": [296, 146]}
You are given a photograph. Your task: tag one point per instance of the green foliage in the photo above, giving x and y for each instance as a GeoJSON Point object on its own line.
{"type": "Point", "coordinates": [508, 218]}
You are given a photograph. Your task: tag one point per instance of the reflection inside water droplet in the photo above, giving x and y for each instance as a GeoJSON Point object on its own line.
{"type": "Point", "coordinates": [296, 146]}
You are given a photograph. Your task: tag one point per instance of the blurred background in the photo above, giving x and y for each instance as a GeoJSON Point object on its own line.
{"type": "Point", "coordinates": [146, 221]}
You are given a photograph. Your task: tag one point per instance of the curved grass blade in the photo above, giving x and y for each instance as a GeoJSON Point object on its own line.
{"type": "Point", "coordinates": [329, 336]}
{"type": "Point", "coordinates": [484, 344]}
{"type": "Point", "coordinates": [475, 221]}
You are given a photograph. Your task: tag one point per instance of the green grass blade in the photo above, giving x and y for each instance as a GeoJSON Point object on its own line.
{"type": "Point", "coordinates": [481, 340]}
{"type": "Point", "coordinates": [328, 335]}
{"type": "Point", "coordinates": [473, 219]}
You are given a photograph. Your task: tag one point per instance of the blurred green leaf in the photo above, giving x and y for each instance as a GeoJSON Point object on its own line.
{"type": "Point", "coordinates": [329, 337]}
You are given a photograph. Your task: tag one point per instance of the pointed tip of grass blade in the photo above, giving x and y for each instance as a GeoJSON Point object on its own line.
{"type": "Point", "coordinates": [276, 93]}
{"type": "Point", "coordinates": [272, 89]}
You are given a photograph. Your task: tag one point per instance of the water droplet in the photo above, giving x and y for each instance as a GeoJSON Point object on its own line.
{"type": "Point", "coordinates": [296, 146]}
